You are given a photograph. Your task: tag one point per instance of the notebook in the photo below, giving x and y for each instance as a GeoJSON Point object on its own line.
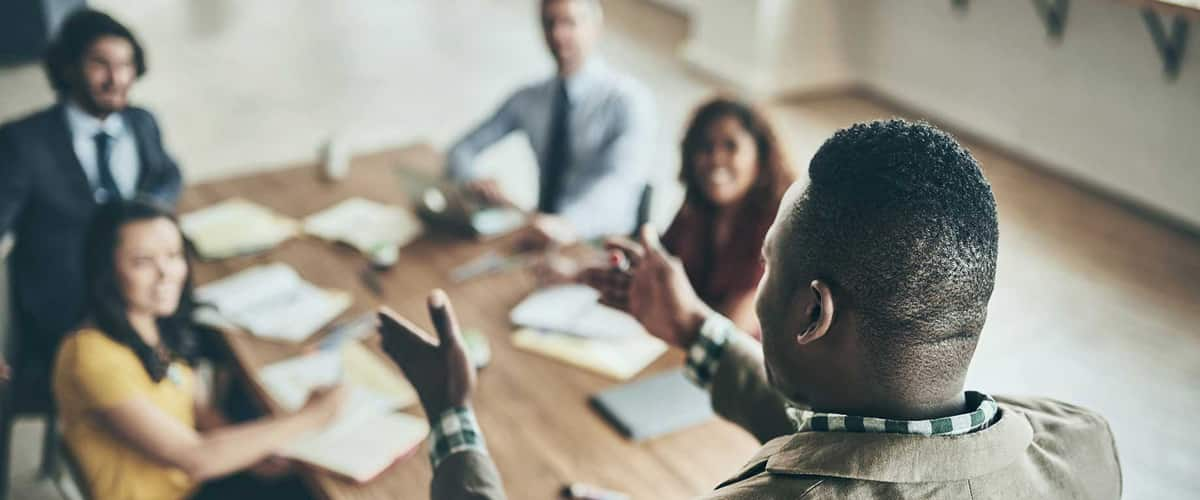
{"type": "Point", "coordinates": [272, 301]}
{"type": "Point", "coordinates": [235, 227]}
{"type": "Point", "coordinates": [654, 406]}
{"type": "Point", "coordinates": [574, 310]}
{"type": "Point", "coordinates": [616, 358]}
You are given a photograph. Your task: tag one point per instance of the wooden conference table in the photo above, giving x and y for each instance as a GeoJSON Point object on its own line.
{"type": "Point", "coordinates": [534, 411]}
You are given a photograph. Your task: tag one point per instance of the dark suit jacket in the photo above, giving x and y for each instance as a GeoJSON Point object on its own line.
{"type": "Point", "coordinates": [45, 198]}
{"type": "Point", "coordinates": [1037, 449]}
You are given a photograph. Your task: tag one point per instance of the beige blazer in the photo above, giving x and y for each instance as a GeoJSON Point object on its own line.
{"type": "Point", "coordinates": [1038, 448]}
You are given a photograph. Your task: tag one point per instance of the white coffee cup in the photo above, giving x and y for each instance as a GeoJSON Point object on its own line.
{"type": "Point", "coordinates": [335, 157]}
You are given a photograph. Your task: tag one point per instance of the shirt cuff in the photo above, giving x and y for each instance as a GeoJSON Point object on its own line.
{"type": "Point", "coordinates": [455, 430]}
{"type": "Point", "coordinates": [705, 353]}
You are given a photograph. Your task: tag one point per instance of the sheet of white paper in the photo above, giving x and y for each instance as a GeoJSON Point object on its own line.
{"type": "Point", "coordinates": [289, 383]}
{"type": "Point", "coordinates": [573, 309]}
{"type": "Point", "coordinates": [293, 316]}
{"type": "Point", "coordinates": [364, 224]}
{"type": "Point", "coordinates": [351, 444]}
{"type": "Point", "coordinates": [354, 448]}
{"type": "Point", "coordinates": [273, 301]}
{"type": "Point", "coordinates": [242, 290]}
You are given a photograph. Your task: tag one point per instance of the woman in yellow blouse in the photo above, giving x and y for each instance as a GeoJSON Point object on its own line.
{"type": "Point", "coordinates": [134, 414]}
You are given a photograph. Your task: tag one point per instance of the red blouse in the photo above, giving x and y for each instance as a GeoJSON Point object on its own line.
{"type": "Point", "coordinates": [720, 271]}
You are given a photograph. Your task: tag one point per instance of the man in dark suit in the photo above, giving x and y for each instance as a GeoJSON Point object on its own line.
{"type": "Point", "coordinates": [59, 164]}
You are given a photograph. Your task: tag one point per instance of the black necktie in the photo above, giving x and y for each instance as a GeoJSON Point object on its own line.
{"type": "Point", "coordinates": [558, 156]}
{"type": "Point", "coordinates": [103, 157]}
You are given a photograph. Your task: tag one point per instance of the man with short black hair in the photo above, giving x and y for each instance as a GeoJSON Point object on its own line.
{"type": "Point", "coordinates": [590, 127]}
{"type": "Point", "coordinates": [59, 164]}
{"type": "Point", "coordinates": [876, 290]}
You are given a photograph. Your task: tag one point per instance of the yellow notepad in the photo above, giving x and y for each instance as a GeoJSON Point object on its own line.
{"type": "Point", "coordinates": [618, 358]}
{"type": "Point", "coordinates": [235, 227]}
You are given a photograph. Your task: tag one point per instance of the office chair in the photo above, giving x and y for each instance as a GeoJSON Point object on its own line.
{"type": "Point", "coordinates": [70, 480]}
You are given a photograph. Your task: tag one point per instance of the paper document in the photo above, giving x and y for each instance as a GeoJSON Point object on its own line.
{"type": "Point", "coordinates": [618, 358]}
{"type": "Point", "coordinates": [362, 448]}
{"type": "Point", "coordinates": [353, 444]}
{"type": "Point", "coordinates": [272, 301]}
{"type": "Point", "coordinates": [373, 384]}
{"type": "Point", "coordinates": [235, 227]}
{"type": "Point", "coordinates": [365, 225]}
{"type": "Point", "coordinates": [573, 310]}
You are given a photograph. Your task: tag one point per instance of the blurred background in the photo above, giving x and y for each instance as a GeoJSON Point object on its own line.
{"type": "Point", "coordinates": [1085, 122]}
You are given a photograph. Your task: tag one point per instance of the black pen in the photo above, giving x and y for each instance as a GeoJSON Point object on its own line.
{"type": "Point", "coordinates": [579, 491]}
{"type": "Point", "coordinates": [370, 278]}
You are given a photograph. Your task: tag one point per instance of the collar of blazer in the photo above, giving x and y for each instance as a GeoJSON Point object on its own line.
{"type": "Point", "coordinates": [895, 458]}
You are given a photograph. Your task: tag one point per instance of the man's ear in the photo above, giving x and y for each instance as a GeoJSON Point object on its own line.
{"type": "Point", "coordinates": [818, 307]}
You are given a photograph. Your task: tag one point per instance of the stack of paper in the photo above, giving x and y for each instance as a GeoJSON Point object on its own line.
{"type": "Point", "coordinates": [272, 301]}
{"type": "Point", "coordinates": [235, 227]}
{"type": "Point", "coordinates": [365, 225]}
{"type": "Point", "coordinates": [567, 323]}
{"type": "Point", "coordinates": [367, 436]}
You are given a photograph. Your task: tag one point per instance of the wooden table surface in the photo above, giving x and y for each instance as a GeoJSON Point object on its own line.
{"type": "Point", "coordinates": [534, 411]}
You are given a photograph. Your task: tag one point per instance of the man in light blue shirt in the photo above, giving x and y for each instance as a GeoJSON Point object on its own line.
{"type": "Point", "coordinates": [590, 127]}
{"type": "Point", "coordinates": [93, 137]}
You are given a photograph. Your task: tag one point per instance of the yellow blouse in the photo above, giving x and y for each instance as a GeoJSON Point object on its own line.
{"type": "Point", "coordinates": [94, 372]}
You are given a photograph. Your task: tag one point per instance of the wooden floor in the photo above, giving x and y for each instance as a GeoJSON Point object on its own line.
{"type": "Point", "coordinates": [1094, 304]}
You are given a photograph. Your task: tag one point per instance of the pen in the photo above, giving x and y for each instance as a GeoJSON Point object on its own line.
{"type": "Point", "coordinates": [371, 279]}
{"type": "Point", "coordinates": [580, 491]}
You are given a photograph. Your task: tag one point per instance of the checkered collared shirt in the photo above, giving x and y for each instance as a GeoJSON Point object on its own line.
{"type": "Point", "coordinates": [455, 430]}
{"type": "Point", "coordinates": [981, 416]}
{"type": "Point", "coordinates": [704, 356]}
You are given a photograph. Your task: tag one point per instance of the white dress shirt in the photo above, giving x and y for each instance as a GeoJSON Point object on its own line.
{"type": "Point", "coordinates": [612, 130]}
{"type": "Point", "coordinates": [124, 162]}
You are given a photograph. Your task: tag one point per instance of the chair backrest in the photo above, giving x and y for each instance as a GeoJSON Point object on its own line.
{"type": "Point", "coordinates": [70, 480]}
{"type": "Point", "coordinates": [7, 322]}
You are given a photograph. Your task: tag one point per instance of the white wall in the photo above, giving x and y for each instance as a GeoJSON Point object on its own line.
{"type": "Point", "coordinates": [755, 44]}
{"type": "Point", "coordinates": [1094, 106]}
